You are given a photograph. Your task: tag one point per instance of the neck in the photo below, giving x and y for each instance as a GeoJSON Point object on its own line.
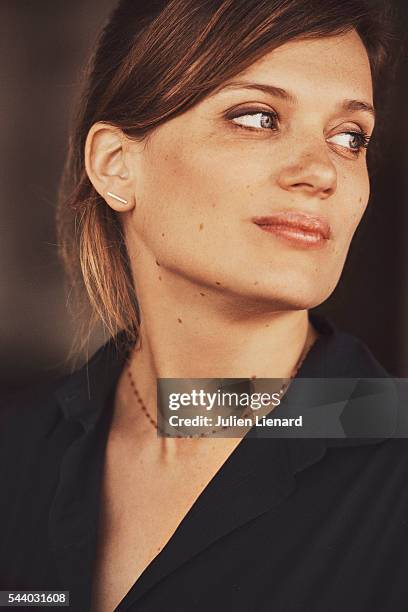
{"type": "Point", "coordinates": [196, 332]}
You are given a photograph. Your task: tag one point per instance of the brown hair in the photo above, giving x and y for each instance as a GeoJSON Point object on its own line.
{"type": "Point", "coordinates": [155, 60]}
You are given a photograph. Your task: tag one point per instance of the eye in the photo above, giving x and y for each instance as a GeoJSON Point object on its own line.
{"type": "Point", "coordinates": [354, 141]}
{"type": "Point", "coordinates": [256, 120]}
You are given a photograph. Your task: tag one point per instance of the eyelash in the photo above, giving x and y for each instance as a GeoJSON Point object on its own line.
{"type": "Point", "coordinates": [362, 137]}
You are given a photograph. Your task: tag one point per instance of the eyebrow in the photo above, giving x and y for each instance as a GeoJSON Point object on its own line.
{"type": "Point", "coordinates": [358, 105]}
{"type": "Point", "coordinates": [278, 92]}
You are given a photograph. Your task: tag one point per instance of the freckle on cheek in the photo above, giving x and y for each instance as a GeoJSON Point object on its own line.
{"type": "Point", "coordinates": [159, 277]}
{"type": "Point", "coordinates": [179, 320]}
{"type": "Point", "coordinates": [217, 283]}
{"type": "Point", "coordinates": [157, 263]}
{"type": "Point", "coordinates": [256, 282]}
{"type": "Point", "coordinates": [200, 227]}
{"type": "Point", "coordinates": [202, 293]}
{"type": "Point", "coordinates": [163, 235]}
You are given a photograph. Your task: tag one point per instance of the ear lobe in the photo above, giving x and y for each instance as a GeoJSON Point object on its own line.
{"type": "Point", "coordinates": [105, 163]}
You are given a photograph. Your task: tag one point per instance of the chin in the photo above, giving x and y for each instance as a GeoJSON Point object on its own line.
{"type": "Point", "coordinates": [305, 300]}
{"type": "Point", "coordinates": [298, 294]}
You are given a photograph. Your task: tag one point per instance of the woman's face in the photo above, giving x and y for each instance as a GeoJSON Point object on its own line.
{"type": "Point", "coordinates": [284, 139]}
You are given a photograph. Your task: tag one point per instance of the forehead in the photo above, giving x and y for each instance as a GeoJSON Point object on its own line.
{"type": "Point", "coordinates": [333, 63]}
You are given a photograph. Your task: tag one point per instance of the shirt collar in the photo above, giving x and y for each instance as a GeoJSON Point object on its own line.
{"type": "Point", "coordinates": [84, 394]}
{"type": "Point", "coordinates": [342, 355]}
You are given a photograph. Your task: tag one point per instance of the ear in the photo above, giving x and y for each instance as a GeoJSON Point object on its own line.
{"type": "Point", "coordinates": [106, 163]}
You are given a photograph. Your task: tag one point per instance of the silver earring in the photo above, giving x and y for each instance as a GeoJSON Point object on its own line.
{"type": "Point", "coordinates": [112, 195]}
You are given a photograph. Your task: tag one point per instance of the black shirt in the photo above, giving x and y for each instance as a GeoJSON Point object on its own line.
{"type": "Point", "coordinates": [285, 525]}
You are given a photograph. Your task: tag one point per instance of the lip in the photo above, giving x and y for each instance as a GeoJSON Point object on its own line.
{"type": "Point", "coordinates": [298, 228]}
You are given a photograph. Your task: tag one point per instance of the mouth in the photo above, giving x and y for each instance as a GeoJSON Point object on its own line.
{"type": "Point", "coordinates": [297, 228]}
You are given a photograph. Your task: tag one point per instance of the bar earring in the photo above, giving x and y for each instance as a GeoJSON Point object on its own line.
{"type": "Point", "coordinates": [112, 195]}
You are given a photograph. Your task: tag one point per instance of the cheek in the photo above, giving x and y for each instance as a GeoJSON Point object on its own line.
{"type": "Point", "coordinates": [189, 183]}
{"type": "Point", "coordinates": [181, 200]}
{"type": "Point", "coordinates": [353, 193]}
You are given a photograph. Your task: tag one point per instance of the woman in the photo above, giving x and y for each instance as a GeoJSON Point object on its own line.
{"type": "Point", "coordinates": [216, 177]}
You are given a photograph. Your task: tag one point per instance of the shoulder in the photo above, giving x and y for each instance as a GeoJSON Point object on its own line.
{"type": "Point", "coordinates": [356, 355]}
{"type": "Point", "coordinates": [34, 438]}
{"type": "Point", "coordinates": [32, 408]}
{"type": "Point", "coordinates": [338, 353]}
{"type": "Point", "coordinates": [32, 428]}
{"type": "Point", "coordinates": [45, 411]}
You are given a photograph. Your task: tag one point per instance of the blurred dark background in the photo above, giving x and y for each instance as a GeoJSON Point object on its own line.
{"type": "Point", "coordinates": [44, 45]}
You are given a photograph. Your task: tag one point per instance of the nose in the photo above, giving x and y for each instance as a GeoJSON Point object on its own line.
{"type": "Point", "coordinates": [312, 173]}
